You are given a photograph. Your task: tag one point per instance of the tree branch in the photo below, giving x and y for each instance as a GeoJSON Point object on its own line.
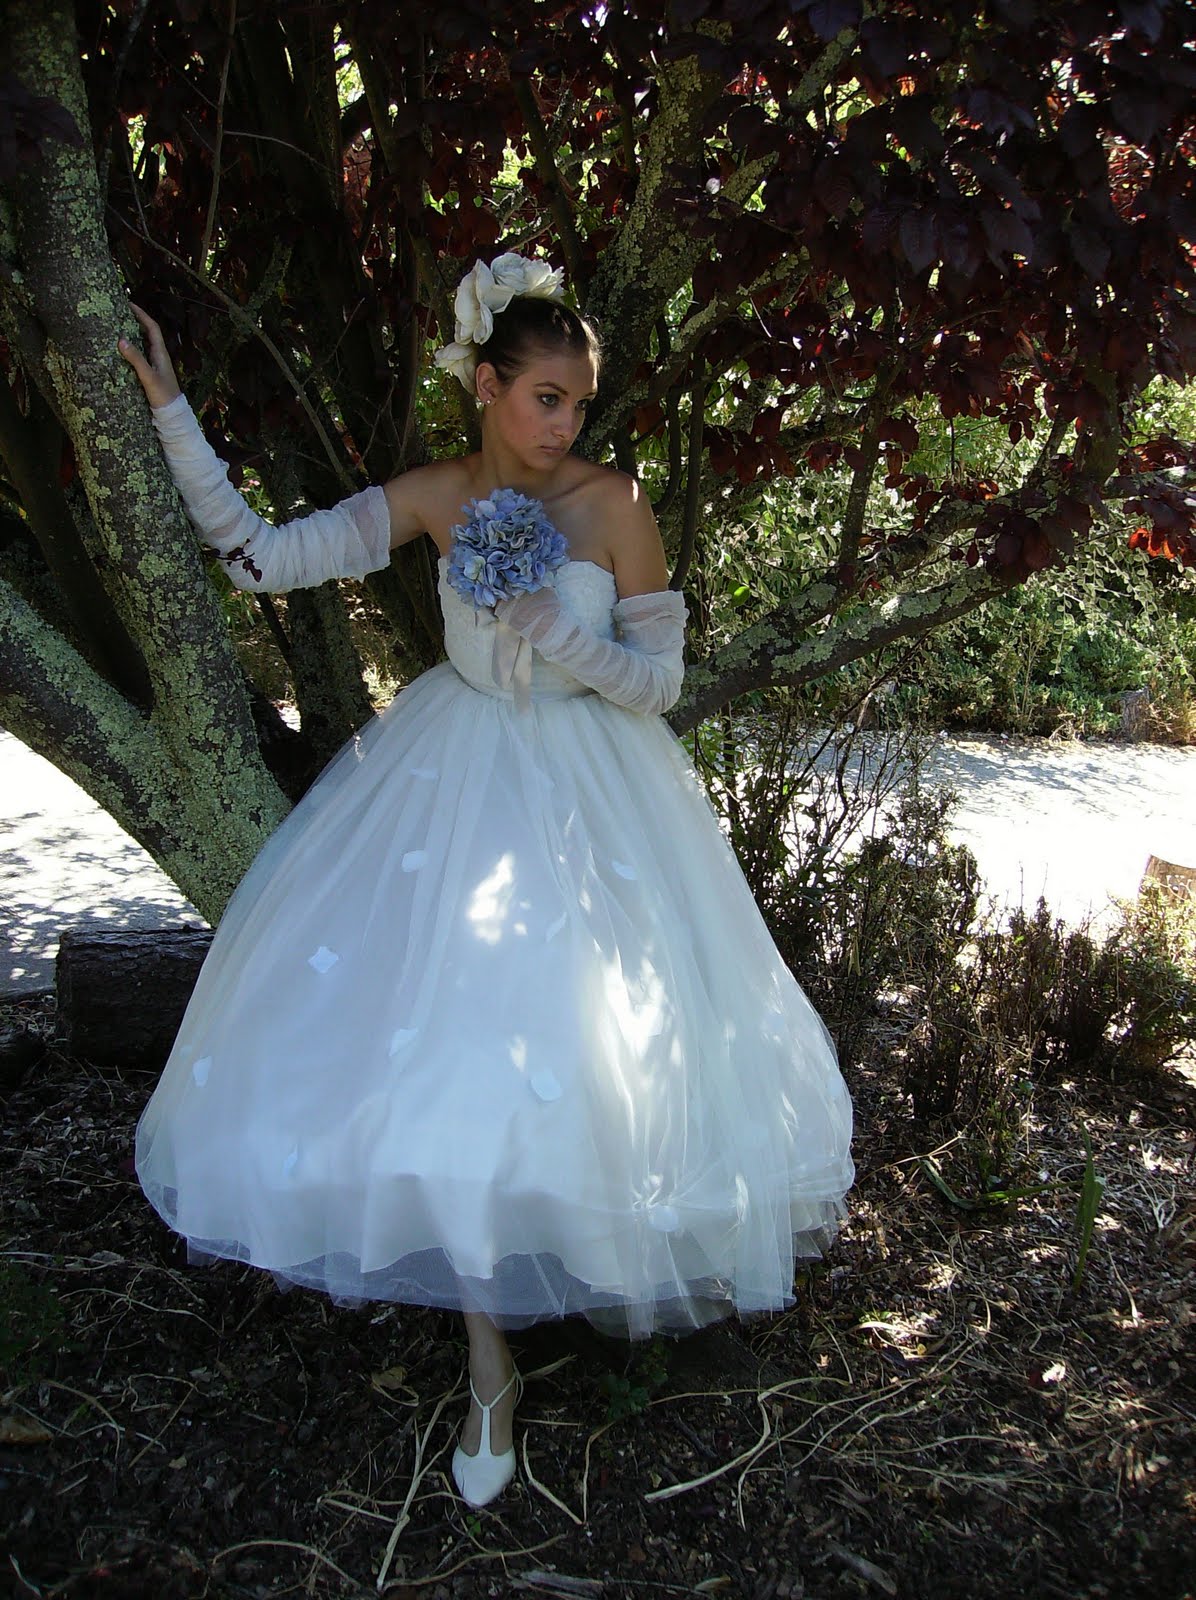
{"type": "Point", "coordinates": [218, 146]}
{"type": "Point", "coordinates": [693, 484]}
{"type": "Point", "coordinates": [780, 651]}
{"type": "Point", "coordinates": [59, 706]}
{"type": "Point", "coordinates": [31, 449]}
{"type": "Point", "coordinates": [546, 170]}
{"type": "Point", "coordinates": [868, 452]}
{"type": "Point", "coordinates": [654, 251]}
{"type": "Point", "coordinates": [696, 327]}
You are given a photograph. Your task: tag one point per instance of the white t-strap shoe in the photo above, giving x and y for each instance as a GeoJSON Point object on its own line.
{"type": "Point", "coordinates": [481, 1477]}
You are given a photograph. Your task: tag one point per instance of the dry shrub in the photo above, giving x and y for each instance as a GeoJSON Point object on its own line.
{"type": "Point", "coordinates": [1039, 1000]}
{"type": "Point", "coordinates": [880, 924]}
{"type": "Point", "coordinates": [846, 853]}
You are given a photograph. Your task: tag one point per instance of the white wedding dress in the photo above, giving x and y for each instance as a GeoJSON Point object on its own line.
{"type": "Point", "coordinates": [493, 1022]}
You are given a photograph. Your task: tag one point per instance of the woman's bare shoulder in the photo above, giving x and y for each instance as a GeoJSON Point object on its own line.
{"type": "Point", "coordinates": [621, 515]}
{"type": "Point", "coordinates": [614, 496]}
{"type": "Point", "coordinates": [426, 499]}
{"type": "Point", "coordinates": [598, 480]}
{"type": "Point", "coordinates": [434, 476]}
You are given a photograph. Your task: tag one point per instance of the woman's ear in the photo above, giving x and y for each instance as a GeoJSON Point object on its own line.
{"type": "Point", "coordinates": [486, 382]}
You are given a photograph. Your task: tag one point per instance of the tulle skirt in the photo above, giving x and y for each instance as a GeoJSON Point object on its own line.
{"type": "Point", "coordinates": [493, 1023]}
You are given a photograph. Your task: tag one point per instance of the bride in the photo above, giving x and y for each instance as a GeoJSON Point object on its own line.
{"type": "Point", "coordinates": [493, 1022]}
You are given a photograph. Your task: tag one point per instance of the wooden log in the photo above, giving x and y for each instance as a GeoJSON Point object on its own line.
{"type": "Point", "coordinates": [1180, 881]}
{"type": "Point", "coordinates": [121, 996]}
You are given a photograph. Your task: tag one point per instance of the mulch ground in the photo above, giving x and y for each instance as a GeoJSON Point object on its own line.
{"type": "Point", "coordinates": [938, 1415]}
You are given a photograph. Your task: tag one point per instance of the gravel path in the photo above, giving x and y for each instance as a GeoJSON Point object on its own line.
{"type": "Point", "coordinates": [1075, 822]}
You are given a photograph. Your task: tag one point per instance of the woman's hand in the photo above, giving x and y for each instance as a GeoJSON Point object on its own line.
{"type": "Point", "coordinates": [157, 375]}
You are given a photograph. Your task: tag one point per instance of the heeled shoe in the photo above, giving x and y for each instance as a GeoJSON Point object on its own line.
{"type": "Point", "coordinates": [481, 1477]}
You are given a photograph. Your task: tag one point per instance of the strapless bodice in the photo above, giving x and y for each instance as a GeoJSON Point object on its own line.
{"type": "Point", "coordinates": [586, 590]}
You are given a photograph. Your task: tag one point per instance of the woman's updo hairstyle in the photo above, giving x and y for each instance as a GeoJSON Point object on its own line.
{"type": "Point", "coordinates": [530, 325]}
{"type": "Point", "coordinates": [505, 312]}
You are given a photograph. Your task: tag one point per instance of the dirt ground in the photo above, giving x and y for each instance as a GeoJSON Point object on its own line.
{"type": "Point", "coordinates": [937, 1416]}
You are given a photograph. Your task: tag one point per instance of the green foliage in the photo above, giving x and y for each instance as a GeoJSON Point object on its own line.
{"type": "Point", "coordinates": [1038, 999]}
{"type": "Point", "coordinates": [32, 1324]}
{"type": "Point", "coordinates": [1154, 977]}
{"type": "Point", "coordinates": [1056, 655]}
{"type": "Point", "coordinates": [1053, 655]}
{"type": "Point", "coordinates": [1062, 1000]}
{"type": "Point", "coordinates": [1091, 1189]}
{"type": "Point", "coordinates": [846, 854]}
{"type": "Point", "coordinates": [628, 1393]}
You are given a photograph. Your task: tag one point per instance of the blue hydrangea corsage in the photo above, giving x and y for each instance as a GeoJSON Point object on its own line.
{"type": "Point", "coordinates": [506, 546]}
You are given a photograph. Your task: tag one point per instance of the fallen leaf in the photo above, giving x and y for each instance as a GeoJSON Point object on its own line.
{"type": "Point", "coordinates": [18, 1429]}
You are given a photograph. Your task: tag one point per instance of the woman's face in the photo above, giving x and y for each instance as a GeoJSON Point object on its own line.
{"type": "Point", "coordinates": [540, 413]}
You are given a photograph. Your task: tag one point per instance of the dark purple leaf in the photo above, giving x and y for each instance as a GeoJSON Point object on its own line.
{"type": "Point", "coordinates": [919, 238]}
{"type": "Point", "coordinates": [829, 18]}
{"type": "Point", "coordinates": [1089, 249]}
{"type": "Point", "coordinates": [1007, 234]}
{"type": "Point", "coordinates": [1143, 16]}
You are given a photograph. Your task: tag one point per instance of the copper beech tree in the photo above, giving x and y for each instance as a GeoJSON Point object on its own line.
{"type": "Point", "coordinates": [809, 231]}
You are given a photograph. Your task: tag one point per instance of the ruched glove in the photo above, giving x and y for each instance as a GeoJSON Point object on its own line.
{"type": "Point", "coordinates": [642, 671]}
{"type": "Point", "coordinates": [345, 541]}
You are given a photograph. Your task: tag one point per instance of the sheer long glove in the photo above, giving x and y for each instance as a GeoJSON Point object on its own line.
{"type": "Point", "coordinates": [346, 541]}
{"type": "Point", "coordinates": [643, 671]}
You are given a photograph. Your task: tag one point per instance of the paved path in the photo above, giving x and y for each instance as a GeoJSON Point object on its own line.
{"type": "Point", "coordinates": [64, 863]}
{"type": "Point", "coordinates": [1075, 822]}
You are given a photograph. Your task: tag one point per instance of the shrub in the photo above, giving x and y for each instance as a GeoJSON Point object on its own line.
{"type": "Point", "coordinates": [846, 853]}
{"type": "Point", "coordinates": [1036, 1000]}
{"type": "Point", "coordinates": [873, 907]}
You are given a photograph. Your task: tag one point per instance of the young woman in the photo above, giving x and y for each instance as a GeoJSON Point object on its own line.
{"type": "Point", "coordinates": [493, 1021]}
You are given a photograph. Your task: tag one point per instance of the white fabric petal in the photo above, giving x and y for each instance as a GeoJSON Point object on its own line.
{"type": "Point", "coordinates": [546, 1084]}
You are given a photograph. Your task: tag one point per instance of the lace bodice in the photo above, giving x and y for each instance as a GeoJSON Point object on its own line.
{"type": "Point", "coordinates": [585, 589]}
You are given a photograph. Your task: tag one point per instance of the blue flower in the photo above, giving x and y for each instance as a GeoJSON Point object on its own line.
{"type": "Point", "coordinates": [506, 546]}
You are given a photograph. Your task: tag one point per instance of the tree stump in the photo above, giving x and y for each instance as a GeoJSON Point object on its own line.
{"type": "Point", "coordinates": [121, 996]}
{"type": "Point", "coordinates": [1177, 880]}
{"type": "Point", "coordinates": [1135, 714]}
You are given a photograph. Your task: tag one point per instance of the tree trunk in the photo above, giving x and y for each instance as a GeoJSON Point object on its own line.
{"type": "Point", "coordinates": [186, 778]}
{"type": "Point", "coordinates": [121, 996]}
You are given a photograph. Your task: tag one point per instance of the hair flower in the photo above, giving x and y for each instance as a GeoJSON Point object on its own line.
{"type": "Point", "coordinates": [481, 295]}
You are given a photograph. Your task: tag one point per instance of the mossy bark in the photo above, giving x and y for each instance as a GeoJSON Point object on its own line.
{"type": "Point", "coordinates": [185, 777]}
{"type": "Point", "coordinates": [790, 647]}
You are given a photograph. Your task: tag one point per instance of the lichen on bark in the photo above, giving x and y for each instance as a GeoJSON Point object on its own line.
{"type": "Point", "coordinates": [188, 780]}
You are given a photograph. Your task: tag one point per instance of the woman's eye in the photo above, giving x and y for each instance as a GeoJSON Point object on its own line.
{"type": "Point", "coordinates": [550, 398]}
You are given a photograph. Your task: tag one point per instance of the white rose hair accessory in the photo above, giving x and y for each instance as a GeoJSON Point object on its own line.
{"type": "Point", "coordinates": [484, 292]}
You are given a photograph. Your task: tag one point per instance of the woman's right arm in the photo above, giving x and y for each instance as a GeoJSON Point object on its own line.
{"type": "Point", "coordinates": [347, 540]}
